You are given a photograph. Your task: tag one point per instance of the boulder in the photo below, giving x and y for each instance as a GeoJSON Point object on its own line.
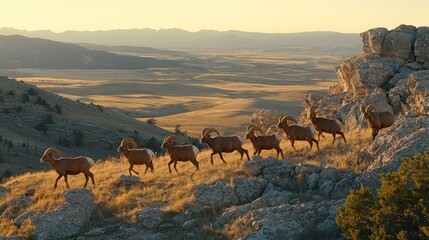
{"type": "Point", "coordinates": [313, 180]}
{"type": "Point", "coordinates": [230, 214]}
{"type": "Point", "coordinates": [127, 182]}
{"type": "Point", "coordinates": [281, 222]}
{"type": "Point", "coordinates": [16, 206]}
{"type": "Point", "coordinates": [150, 217]}
{"type": "Point", "coordinates": [398, 44]}
{"type": "Point", "coordinates": [248, 189]}
{"type": "Point", "coordinates": [3, 191]}
{"type": "Point", "coordinates": [372, 40]}
{"type": "Point", "coordinates": [418, 85]}
{"type": "Point", "coordinates": [265, 119]}
{"type": "Point", "coordinates": [364, 71]}
{"type": "Point", "coordinates": [69, 219]}
{"type": "Point", "coordinates": [421, 46]}
{"type": "Point", "coordinates": [18, 221]}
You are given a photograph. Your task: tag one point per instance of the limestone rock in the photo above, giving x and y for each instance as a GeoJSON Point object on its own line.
{"type": "Point", "coordinates": [16, 206]}
{"type": "Point", "coordinates": [248, 189]}
{"type": "Point", "coordinates": [150, 217]}
{"type": "Point", "coordinates": [265, 118]}
{"type": "Point", "coordinates": [312, 180]}
{"type": "Point", "coordinates": [421, 46]}
{"type": "Point", "coordinates": [230, 214]}
{"type": "Point", "coordinates": [364, 71]}
{"type": "Point", "coordinates": [404, 138]}
{"type": "Point", "coordinates": [69, 219]}
{"type": "Point", "coordinates": [282, 222]}
{"type": "Point", "coordinates": [218, 195]}
{"type": "Point", "coordinates": [373, 40]}
{"type": "Point", "coordinates": [418, 84]}
{"type": "Point", "coordinates": [3, 191]}
{"type": "Point", "coordinates": [127, 182]}
{"type": "Point", "coordinates": [18, 221]}
{"type": "Point", "coordinates": [398, 44]}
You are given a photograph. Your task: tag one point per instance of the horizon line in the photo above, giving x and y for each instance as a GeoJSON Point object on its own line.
{"type": "Point", "coordinates": [173, 28]}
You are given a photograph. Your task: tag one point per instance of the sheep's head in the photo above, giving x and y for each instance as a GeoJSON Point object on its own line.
{"type": "Point", "coordinates": [251, 131]}
{"type": "Point", "coordinates": [365, 112]}
{"type": "Point", "coordinates": [312, 112]}
{"type": "Point", "coordinates": [49, 154]}
{"type": "Point", "coordinates": [125, 144]}
{"type": "Point", "coordinates": [167, 141]}
{"type": "Point", "coordinates": [283, 121]}
{"type": "Point", "coordinates": [205, 135]}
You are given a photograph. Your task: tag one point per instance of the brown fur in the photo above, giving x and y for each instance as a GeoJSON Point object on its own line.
{"type": "Point", "coordinates": [263, 142]}
{"type": "Point", "coordinates": [297, 133]}
{"type": "Point", "coordinates": [180, 153]}
{"type": "Point", "coordinates": [326, 125]}
{"type": "Point", "coordinates": [377, 120]}
{"type": "Point", "coordinates": [68, 166]}
{"type": "Point", "coordinates": [136, 156]}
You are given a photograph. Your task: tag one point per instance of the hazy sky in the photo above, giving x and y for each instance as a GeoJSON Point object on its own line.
{"type": "Point", "coordinates": [193, 15]}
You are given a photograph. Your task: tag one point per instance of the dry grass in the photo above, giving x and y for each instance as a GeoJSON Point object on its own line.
{"type": "Point", "coordinates": [174, 189]}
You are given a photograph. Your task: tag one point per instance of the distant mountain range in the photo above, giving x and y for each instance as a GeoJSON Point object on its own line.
{"type": "Point", "coordinates": [181, 39]}
{"type": "Point", "coordinates": [23, 52]}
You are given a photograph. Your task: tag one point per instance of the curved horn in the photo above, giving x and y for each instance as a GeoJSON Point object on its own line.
{"type": "Point", "coordinates": [52, 151]}
{"type": "Point", "coordinates": [170, 138]}
{"type": "Point", "coordinates": [249, 127]}
{"type": "Point", "coordinates": [370, 108]}
{"type": "Point", "coordinates": [203, 133]}
{"type": "Point", "coordinates": [362, 108]}
{"type": "Point", "coordinates": [210, 130]}
{"type": "Point", "coordinates": [256, 128]}
{"type": "Point", "coordinates": [127, 141]}
{"type": "Point", "coordinates": [286, 118]}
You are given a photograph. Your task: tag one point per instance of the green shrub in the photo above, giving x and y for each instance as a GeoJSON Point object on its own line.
{"type": "Point", "coordinates": [401, 210]}
{"type": "Point", "coordinates": [25, 97]}
{"type": "Point", "coordinates": [5, 111]}
{"type": "Point", "coordinates": [10, 93]}
{"type": "Point", "coordinates": [78, 137]}
{"type": "Point", "coordinates": [48, 119]}
{"type": "Point", "coordinates": [42, 127]}
{"type": "Point", "coordinates": [63, 141]}
{"type": "Point", "coordinates": [32, 91]}
{"type": "Point", "coordinates": [58, 109]}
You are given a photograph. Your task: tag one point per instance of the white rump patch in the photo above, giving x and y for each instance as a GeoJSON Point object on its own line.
{"type": "Point", "coordinates": [195, 149]}
{"type": "Point", "coordinates": [90, 161]}
{"type": "Point", "coordinates": [278, 137]}
{"type": "Point", "coordinates": [313, 131]}
{"type": "Point", "coordinates": [150, 153]}
{"type": "Point", "coordinates": [241, 139]}
{"type": "Point", "coordinates": [339, 123]}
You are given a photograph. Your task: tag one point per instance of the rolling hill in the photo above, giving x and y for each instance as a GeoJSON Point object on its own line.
{"type": "Point", "coordinates": [32, 119]}
{"type": "Point", "coordinates": [181, 39]}
{"type": "Point", "coordinates": [22, 52]}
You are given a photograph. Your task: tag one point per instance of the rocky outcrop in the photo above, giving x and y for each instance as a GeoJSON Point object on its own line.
{"type": "Point", "coordinates": [16, 206]}
{"type": "Point", "coordinates": [150, 217]}
{"type": "Point", "coordinates": [3, 191]}
{"type": "Point", "coordinates": [266, 119]}
{"type": "Point", "coordinates": [69, 219]}
{"type": "Point", "coordinates": [404, 139]}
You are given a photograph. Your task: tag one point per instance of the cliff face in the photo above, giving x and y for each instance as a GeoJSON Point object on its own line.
{"type": "Point", "coordinates": [391, 74]}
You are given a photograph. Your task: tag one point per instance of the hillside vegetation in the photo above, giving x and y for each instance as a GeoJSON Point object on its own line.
{"type": "Point", "coordinates": [32, 119]}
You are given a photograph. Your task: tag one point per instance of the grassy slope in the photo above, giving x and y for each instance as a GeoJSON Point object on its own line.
{"type": "Point", "coordinates": [175, 189]}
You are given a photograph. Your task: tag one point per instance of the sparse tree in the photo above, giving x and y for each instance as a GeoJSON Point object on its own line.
{"type": "Point", "coordinates": [32, 91]}
{"type": "Point", "coordinates": [10, 93]}
{"type": "Point", "coordinates": [151, 121]}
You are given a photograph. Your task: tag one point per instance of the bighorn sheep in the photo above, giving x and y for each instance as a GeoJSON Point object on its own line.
{"type": "Point", "coordinates": [222, 144]}
{"type": "Point", "coordinates": [68, 166]}
{"type": "Point", "coordinates": [136, 156]}
{"type": "Point", "coordinates": [296, 132]}
{"type": "Point", "coordinates": [327, 125]}
{"type": "Point", "coordinates": [263, 142]}
{"type": "Point", "coordinates": [182, 153]}
{"type": "Point", "coordinates": [376, 120]}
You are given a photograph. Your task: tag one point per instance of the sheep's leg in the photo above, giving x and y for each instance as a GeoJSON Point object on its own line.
{"type": "Point", "coordinates": [293, 144]}
{"type": "Point", "coordinates": [221, 157]}
{"type": "Point", "coordinates": [147, 167]}
{"type": "Point", "coordinates": [91, 175]}
{"type": "Point", "coordinates": [211, 157]}
{"type": "Point", "coordinates": [58, 178]}
{"type": "Point", "coordinates": [374, 133]}
{"type": "Point", "coordinates": [317, 143]}
{"type": "Point", "coordinates": [279, 150]}
{"type": "Point", "coordinates": [333, 135]}
{"type": "Point", "coordinates": [86, 182]}
{"type": "Point", "coordinates": [65, 179]}
{"type": "Point", "coordinates": [259, 152]}
{"type": "Point", "coordinates": [195, 162]}
{"type": "Point", "coordinates": [256, 152]}
{"type": "Point", "coordinates": [175, 163]}
{"type": "Point", "coordinates": [247, 154]}
{"type": "Point", "coordinates": [131, 169]}
{"type": "Point", "coordinates": [171, 161]}
{"type": "Point", "coordinates": [342, 135]}
{"type": "Point", "coordinates": [311, 143]}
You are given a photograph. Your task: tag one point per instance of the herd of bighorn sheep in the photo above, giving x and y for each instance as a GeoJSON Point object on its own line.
{"type": "Point", "coordinates": [65, 166]}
